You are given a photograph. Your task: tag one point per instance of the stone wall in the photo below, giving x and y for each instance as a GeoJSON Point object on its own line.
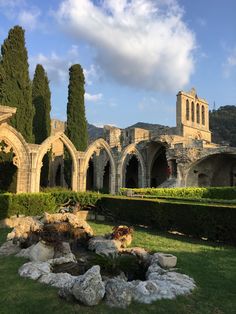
{"type": "Point", "coordinates": [183, 157]}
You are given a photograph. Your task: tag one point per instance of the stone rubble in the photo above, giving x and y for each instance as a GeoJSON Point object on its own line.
{"type": "Point", "coordinates": [162, 281]}
{"type": "Point", "coordinates": [89, 288]}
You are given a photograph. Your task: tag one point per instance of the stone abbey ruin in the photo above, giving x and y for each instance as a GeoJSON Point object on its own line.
{"type": "Point", "coordinates": [181, 156]}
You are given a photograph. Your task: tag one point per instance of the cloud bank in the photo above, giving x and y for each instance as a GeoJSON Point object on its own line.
{"type": "Point", "coordinates": [57, 66]}
{"type": "Point", "coordinates": [140, 43]}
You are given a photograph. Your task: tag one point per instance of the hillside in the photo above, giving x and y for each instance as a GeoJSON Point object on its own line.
{"type": "Point", "coordinates": [223, 125]}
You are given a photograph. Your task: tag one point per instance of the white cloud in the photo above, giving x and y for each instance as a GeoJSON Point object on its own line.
{"type": "Point", "coordinates": [29, 19]}
{"type": "Point", "coordinates": [142, 43]}
{"type": "Point", "coordinates": [93, 98]}
{"type": "Point", "coordinates": [91, 74]}
{"type": "Point", "coordinates": [57, 66]}
{"type": "Point", "coordinates": [20, 10]}
{"type": "Point", "coordinates": [230, 65]}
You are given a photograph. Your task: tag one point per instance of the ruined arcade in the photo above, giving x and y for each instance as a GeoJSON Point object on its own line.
{"type": "Point", "coordinates": [181, 156]}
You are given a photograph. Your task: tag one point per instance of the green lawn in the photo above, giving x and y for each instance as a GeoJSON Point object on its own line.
{"type": "Point", "coordinates": [212, 267]}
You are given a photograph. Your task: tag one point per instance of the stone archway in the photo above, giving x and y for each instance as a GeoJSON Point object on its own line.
{"type": "Point", "coordinates": [212, 170]}
{"type": "Point", "coordinates": [159, 169]}
{"type": "Point", "coordinates": [44, 147]}
{"type": "Point", "coordinates": [15, 140]}
{"type": "Point", "coordinates": [95, 148]}
{"type": "Point", "coordinates": [125, 157]}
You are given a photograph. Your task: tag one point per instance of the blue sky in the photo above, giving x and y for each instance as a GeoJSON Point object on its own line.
{"type": "Point", "coordinates": [137, 54]}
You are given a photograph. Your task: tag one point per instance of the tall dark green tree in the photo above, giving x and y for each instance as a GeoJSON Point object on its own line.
{"type": "Point", "coordinates": [76, 127]}
{"type": "Point", "coordinates": [15, 88]}
{"type": "Point", "coordinates": [41, 98]}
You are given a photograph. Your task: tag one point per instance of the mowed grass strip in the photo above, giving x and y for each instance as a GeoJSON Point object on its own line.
{"type": "Point", "coordinates": [213, 268]}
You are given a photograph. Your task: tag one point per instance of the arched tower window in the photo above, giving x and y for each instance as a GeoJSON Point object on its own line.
{"type": "Point", "coordinates": [192, 112]}
{"type": "Point", "coordinates": [198, 113]}
{"type": "Point", "coordinates": [203, 115]}
{"type": "Point", "coordinates": [187, 109]}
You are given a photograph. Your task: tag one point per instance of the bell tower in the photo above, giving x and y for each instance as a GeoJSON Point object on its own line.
{"type": "Point", "coordinates": [192, 116]}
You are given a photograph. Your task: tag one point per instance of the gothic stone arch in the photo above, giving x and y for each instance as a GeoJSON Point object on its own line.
{"type": "Point", "coordinates": [45, 146]}
{"type": "Point", "coordinates": [130, 150]}
{"type": "Point", "coordinates": [95, 147]}
{"type": "Point", "coordinates": [15, 140]}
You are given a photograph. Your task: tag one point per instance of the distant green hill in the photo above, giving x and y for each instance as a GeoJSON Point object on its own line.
{"type": "Point", "coordinates": [223, 125]}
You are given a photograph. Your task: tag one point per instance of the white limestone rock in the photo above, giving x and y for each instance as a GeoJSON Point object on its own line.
{"type": "Point", "coordinates": [104, 246]}
{"type": "Point", "coordinates": [145, 291]}
{"type": "Point", "coordinates": [9, 248]}
{"type": "Point", "coordinates": [41, 252]}
{"type": "Point", "coordinates": [89, 288]}
{"type": "Point", "coordinates": [58, 280]}
{"type": "Point", "coordinates": [34, 270]}
{"type": "Point", "coordinates": [154, 272]}
{"type": "Point", "coordinates": [25, 252]}
{"type": "Point", "coordinates": [118, 293]}
{"type": "Point", "coordinates": [63, 260]}
{"type": "Point", "coordinates": [23, 226]}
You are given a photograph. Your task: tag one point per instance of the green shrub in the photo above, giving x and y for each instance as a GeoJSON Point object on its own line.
{"type": "Point", "coordinates": [215, 222]}
{"type": "Point", "coordinates": [228, 193]}
{"type": "Point", "coordinates": [37, 203]}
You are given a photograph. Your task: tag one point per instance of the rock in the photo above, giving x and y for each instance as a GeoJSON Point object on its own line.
{"type": "Point", "coordinates": [104, 246]}
{"type": "Point", "coordinates": [173, 284]}
{"type": "Point", "coordinates": [9, 248]}
{"type": "Point", "coordinates": [58, 280]}
{"type": "Point", "coordinates": [41, 252]}
{"type": "Point", "coordinates": [145, 291]}
{"type": "Point", "coordinates": [63, 260]}
{"type": "Point", "coordinates": [167, 260]}
{"type": "Point", "coordinates": [62, 250]}
{"type": "Point", "coordinates": [118, 293]}
{"type": "Point", "coordinates": [25, 252]}
{"type": "Point", "coordinates": [139, 252]}
{"type": "Point", "coordinates": [89, 288]}
{"type": "Point", "coordinates": [154, 258]}
{"type": "Point", "coordinates": [34, 270]}
{"type": "Point", "coordinates": [82, 214]}
{"type": "Point", "coordinates": [24, 229]}
{"type": "Point", "coordinates": [72, 219]}
{"type": "Point", "coordinates": [154, 272]}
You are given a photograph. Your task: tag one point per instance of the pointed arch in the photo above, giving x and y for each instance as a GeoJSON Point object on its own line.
{"type": "Point", "coordinates": [45, 146]}
{"type": "Point", "coordinates": [131, 150]}
{"type": "Point", "coordinates": [96, 146]}
{"type": "Point", "coordinates": [21, 160]}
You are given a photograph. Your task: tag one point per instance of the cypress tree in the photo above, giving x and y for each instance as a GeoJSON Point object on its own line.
{"type": "Point", "coordinates": [76, 128]}
{"type": "Point", "coordinates": [15, 88]}
{"type": "Point", "coordinates": [41, 98]}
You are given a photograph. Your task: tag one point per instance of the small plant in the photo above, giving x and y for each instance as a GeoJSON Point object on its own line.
{"type": "Point", "coordinates": [123, 234]}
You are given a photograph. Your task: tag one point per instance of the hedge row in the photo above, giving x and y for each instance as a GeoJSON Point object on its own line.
{"type": "Point", "coordinates": [227, 193]}
{"type": "Point", "coordinates": [214, 222]}
{"type": "Point", "coordinates": [37, 203]}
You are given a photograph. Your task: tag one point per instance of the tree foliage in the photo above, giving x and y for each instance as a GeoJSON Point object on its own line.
{"type": "Point", "coordinates": [222, 125]}
{"type": "Point", "coordinates": [76, 128]}
{"type": "Point", "coordinates": [15, 86]}
{"type": "Point", "coordinates": [41, 98]}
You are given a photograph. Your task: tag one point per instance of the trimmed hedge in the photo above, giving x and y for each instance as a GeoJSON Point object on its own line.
{"type": "Point", "coordinates": [227, 193]}
{"type": "Point", "coordinates": [37, 203]}
{"type": "Point", "coordinates": [215, 222]}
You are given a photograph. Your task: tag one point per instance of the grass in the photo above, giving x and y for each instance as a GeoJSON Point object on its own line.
{"type": "Point", "coordinates": [213, 268]}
